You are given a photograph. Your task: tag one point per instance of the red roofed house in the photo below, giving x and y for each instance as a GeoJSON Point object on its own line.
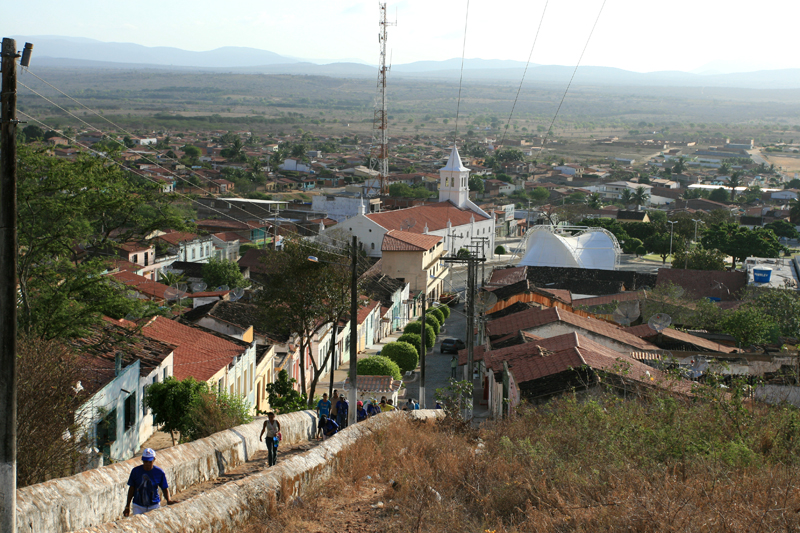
{"type": "Point", "coordinates": [416, 260]}
{"type": "Point", "coordinates": [143, 255]}
{"type": "Point", "coordinates": [153, 290]}
{"type": "Point", "coordinates": [454, 218]}
{"type": "Point", "coordinates": [189, 247]}
{"type": "Point", "coordinates": [554, 321]}
{"type": "Point", "coordinates": [226, 364]}
{"type": "Point", "coordinates": [226, 245]}
{"type": "Point", "coordinates": [118, 364]}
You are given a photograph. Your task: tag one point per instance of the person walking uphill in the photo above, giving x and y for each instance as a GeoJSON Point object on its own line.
{"type": "Point", "coordinates": [323, 409]}
{"type": "Point", "coordinates": [273, 429]}
{"type": "Point", "coordinates": [143, 485]}
{"type": "Point", "coordinates": [342, 410]}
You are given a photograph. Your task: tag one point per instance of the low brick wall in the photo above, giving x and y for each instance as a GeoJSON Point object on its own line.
{"type": "Point", "coordinates": [227, 508]}
{"type": "Point", "coordinates": [98, 496]}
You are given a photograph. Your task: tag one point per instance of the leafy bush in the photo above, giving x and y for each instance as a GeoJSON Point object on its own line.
{"type": "Point", "coordinates": [378, 365]}
{"type": "Point", "coordinates": [438, 314]}
{"type": "Point", "coordinates": [283, 398]}
{"type": "Point", "coordinates": [445, 311]}
{"type": "Point", "coordinates": [413, 327]}
{"type": "Point", "coordinates": [404, 354]}
{"type": "Point", "coordinates": [433, 322]}
{"type": "Point", "coordinates": [500, 250]}
{"type": "Point", "coordinates": [171, 401]}
{"type": "Point", "coordinates": [416, 328]}
{"type": "Point", "coordinates": [414, 340]}
{"type": "Point", "coordinates": [211, 413]}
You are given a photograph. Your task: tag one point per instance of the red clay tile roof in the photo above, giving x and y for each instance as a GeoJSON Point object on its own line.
{"type": "Point", "coordinates": [607, 299]}
{"type": "Point", "coordinates": [533, 318]}
{"type": "Point", "coordinates": [197, 354]}
{"type": "Point", "coordinates": [229, 236]}
{"type": "Point", "coordinates": [434, 216]}
{"type": "Point", "coordinates": [134, 246]}
{"type": "Point", "coordinates": [177, 237]}
{"type": "Point", "coordinates": [141, 284]}
{"type": "Point", "coordinates": [508, 276]}
{"type": "Point", "coordinates": [364, 312]}
{"type": "Point", "coordinates": [376, 384]}
{"type": "Point", "coordinates": [404, 241]}
{"type": "Point", "coordinates": [646, 332]}
{"type": "Point", "coordinates": [554, 355]}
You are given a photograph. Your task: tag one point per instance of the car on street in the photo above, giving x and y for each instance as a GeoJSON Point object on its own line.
{"type": "Point", "coordinates": [452, 345]}
{"type": "Point", "coordinates": [450, 299]}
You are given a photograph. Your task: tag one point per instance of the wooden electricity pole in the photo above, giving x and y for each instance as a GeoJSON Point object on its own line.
{"type": "Point", "coordinates": [8, 287]}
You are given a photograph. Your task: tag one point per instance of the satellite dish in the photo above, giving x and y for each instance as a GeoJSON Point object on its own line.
{"type": "Point", "coordinates": [181, 288]}
{"type": "Point", "coordinates": [659, 321]}
{"type": "Point", "coordinates": [236, 294]}
{"type": "Point", "coordinates": [199, 286]}
{"type": "Point", "coordinates": [170, 294]}
{"type": "Point", "coordinates": [223, 288]}
{"type": "Point", "coordinates": [626, 313]}
{"type": "Point", "coordinates": [484, 301]}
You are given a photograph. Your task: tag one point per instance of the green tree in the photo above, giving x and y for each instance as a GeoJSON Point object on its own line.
{"type": "Point", "coordinates": [405, 355]}
{"type": "Point", "coordinates": [214, 412]}
{"type": "Point", "coordinates": [171, 401]}
{"type": "Point", "coordinates": [718, 195]}
{"type": "Point", "coordinates": [640, 197]}
{"type": "Point", "coordinates": [401, 190]}
{"type": "Point", "coordinates": [631, 245]}
{"type": "Point", "coordinates": [445, 311]}
{"type": "Point", "coordinates": [782, 306]}
{"type": "Point", "coordinates": [783, 228]}
{"type": "Point", "coordinates": [283, 397]}
{"type": "Point", "coordinates": [723, 169]}
{"type": "Point", "coordinates": [539, 194]}
{"type": "Point", "coordinates": [794, 211]}
{"type": "Point", "coordinates": [71, 215]}
{"type": "Point", "coordinates": [416, 328]}
{"type": "Point", "coordinates": [740, 242]}
{"type": "Point", "coordinates": [750, 326]}
{"type": "Point", "coordinates": [500, 250]}
{"type": "Point", "coordinates": [734, 181]}
{"type": "Point", "coordinates": [659, 243]}
{"type": "Point", "coordinates": [235, 151]}
{"type": "Point", "coordinates": [218, 272]}
{"type": "Point", "coordinates": [378, 365]}
{"type": "Point", "coordinates": [680, 165]}
{"type": "Point", "coordinates": [33, 133]}
{"type": "Point", "coordinates": [594, 201]}
{"type": "Point", "coordinates": [626, 197]}
{"type": "Point", "coordinates": [698, 258]}
{"type": "Point", "coordinates": [476, 184]}
{"type": "Point", "coordinates": [295, 297]}
{"type": "Point", "coordinates": [192, 152]}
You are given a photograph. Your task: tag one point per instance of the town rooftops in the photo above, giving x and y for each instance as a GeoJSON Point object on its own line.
{"type": "Point", "coordinates": [199, 353]}
{"type": "Point", "coordinates": [141, 284]}
{"type": "Point", "coordinates": [416, 219]}
{"type": "Point", "coordinates": [507, 276]}
{"type": "Point", "coordinates": [534, 318]}
{"type": "Point", "coordinates": [177, 237]}
{"type": "Point", "coordinates": [646, 332]}
{"type": "Point", "coordinates": [705, 283]}
{"type": "Point", "coordinates": [404, 241]}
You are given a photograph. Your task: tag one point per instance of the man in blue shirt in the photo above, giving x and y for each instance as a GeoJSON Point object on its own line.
{"type": "Point", "coordinates": [143, 485]}
{"type": "Point", "coordinates": [323, 409]}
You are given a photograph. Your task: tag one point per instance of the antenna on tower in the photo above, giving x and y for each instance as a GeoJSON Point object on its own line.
{"type": "Point", "coordinates": [380, 153]}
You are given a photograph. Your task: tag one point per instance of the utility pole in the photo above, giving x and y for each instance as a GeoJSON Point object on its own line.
{"type": "Point", "coordinates": [8, 287]}
{"type": "Point", "coordinates": [423, 347]}
{"type": "Point", "coordinates": [671, 229]}
{"type": "Point", "coordinates": [380, 122]}
{"type": "Point", "coordinates": [353, 333]}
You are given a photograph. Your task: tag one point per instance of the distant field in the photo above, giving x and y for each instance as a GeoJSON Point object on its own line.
{"type": "Point", "coordinates": [787, 163]}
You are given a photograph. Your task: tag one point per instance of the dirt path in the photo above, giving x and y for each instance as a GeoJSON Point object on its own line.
{"type": "Point", "coordinates": [257, 463]}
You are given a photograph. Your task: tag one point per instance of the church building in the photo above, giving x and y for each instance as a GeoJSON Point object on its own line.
{"type": "Point", "coordinates": [454, 218]}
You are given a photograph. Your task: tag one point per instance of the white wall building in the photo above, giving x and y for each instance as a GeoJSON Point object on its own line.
{"type": "Point", "coordinates": [454, 217]}
{"type": "Point", "coordinates": [340, 208]}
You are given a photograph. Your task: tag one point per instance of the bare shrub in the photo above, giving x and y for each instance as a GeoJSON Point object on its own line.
{"type": "Point", "coordinates": [49, 439]}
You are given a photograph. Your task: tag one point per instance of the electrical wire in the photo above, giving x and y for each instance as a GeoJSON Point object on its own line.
{"type": "Point", "coordinates": [575, 70]}
{"type": "Point", "coordinates": [461, 76]}
{"type": "Point", "coordinates": [530, 55]}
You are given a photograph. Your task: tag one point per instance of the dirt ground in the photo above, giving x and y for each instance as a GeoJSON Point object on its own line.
{"type": "Point", "coordinates": [788, 163]}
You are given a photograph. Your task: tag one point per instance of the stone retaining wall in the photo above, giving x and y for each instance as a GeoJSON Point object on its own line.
{"type": "Point", "coordinates": [228, 507]}
{"type": "Point", "coordinates": [98, 496]}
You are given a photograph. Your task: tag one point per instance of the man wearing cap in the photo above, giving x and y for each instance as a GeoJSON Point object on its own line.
{"type": "Point", "coordinates": [143, 485]}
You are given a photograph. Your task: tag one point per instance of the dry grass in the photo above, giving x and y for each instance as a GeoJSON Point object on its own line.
{"type": "Point", "coordinates": [600, 465]}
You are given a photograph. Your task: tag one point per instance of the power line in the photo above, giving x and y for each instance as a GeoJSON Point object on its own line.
{"type": "Point", "coordinates": [585, 46]}
{"type": "Point", "coordinates": [461, 76]}
{"type": "Point", "coordinates": [535, 38]}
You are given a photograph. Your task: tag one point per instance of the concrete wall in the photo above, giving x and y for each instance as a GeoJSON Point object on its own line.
{"type": "Point", "coordinates": [98, 496]}
{"type": "Point", "coordinates": [228, 507]}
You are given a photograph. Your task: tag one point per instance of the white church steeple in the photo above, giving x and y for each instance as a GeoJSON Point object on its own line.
{"type": "Point", "coordinates": [454, 181]}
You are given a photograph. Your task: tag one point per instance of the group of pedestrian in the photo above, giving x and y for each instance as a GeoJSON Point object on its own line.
{"type": "Point", "coordinates": [333, 413]}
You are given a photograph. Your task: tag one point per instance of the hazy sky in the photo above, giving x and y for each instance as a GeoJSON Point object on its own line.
{"type": "Point", "coordinates": [638, 35]}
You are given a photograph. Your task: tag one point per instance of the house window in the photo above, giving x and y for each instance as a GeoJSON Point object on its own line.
{"type": "Point", "coordinates": [107, 429]}
{"type": "Point", "coordinates": [373, 245]}
{"type": "Point", "coordinates": [166, 373]}
{"type": "Point", "coordinates": [192, 253]}
{"type": "Point", "coordinates": [231, 389]}
{"type": "Point", "coordinates": [144, 395]}
{"type": "Point", "coordinates": [135, 258]}
{"type": "Point", "coordinates": [244, 391]}
{"type": "Point", "coordinates": [221, 385]}
{"type": "Point", "coordinates": [130, 411]}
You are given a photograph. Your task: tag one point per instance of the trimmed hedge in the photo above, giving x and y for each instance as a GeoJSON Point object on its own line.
{"type": "Point", "coordinates": [402, 353]}
{"type": "Point", "coordinates": [416, 328]}
{"type": "Point", "coordinates": [414, 340]}
{"type": "Point", "coordinates": [444, 310]}
{"type": "Point", "coordinates": [438, 314]}
{"type": "Point", "coordinates": [434, 323]}
{"type": "Point", "coordinates": [378, 365]}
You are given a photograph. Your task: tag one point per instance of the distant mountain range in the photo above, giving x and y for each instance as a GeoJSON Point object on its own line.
{"type": "Point", "coordinates": [72, 52]}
